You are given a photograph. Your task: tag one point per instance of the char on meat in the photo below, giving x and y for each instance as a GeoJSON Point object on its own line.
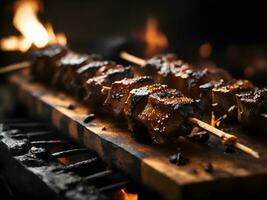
{"type": "Point", "coordinates": [206, 92]}
{"type": "Point", "coordinates": [251, 105]}
{"type": "Point", "coordinates": [169, 70]}
{"type": "Point", "coordinates": [66, 68]}
{"type": "Point", "coordinates": [119, 92]}
{"type": "Point", "coordinates": [224, 96]}
{"type": "Point", "coordinates": [82, 74]}
{"type": "Point", "coordinates": [160, 67]}
{"type": "Point", "coordinates": [45, 62]}
{"type": "Point", "coordinates": [94, 86]}
{"type": "Point", "coordinates": [159, 114]}
{"type": "Point", "coordinates": [134, 105]}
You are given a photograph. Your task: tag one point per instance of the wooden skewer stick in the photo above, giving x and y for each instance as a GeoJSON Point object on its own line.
{"type": "Point", "coordinates": [14, 67]}
{"type": "Point", "coordinates": [131, 58]}
{"type": "Point", "coordinates": [226, 138]}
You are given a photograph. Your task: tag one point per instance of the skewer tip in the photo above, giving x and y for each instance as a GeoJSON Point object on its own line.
{"type": "Point", "coordinates": [14, 67]}
{"type": "Point", "coordinates": [225, 137]}
{"type": "Point", "coordinates": [131, 58]}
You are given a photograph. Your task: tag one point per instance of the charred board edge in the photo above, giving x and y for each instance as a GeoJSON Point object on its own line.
{"type": "Point", "coordinates": [115, 146]}
{"type": "Point", "coordinates": [17, 176]}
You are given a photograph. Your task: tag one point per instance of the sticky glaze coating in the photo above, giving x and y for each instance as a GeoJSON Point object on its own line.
{"type": "Point", "coordinates": [169, 70]}
{"type": "Point", "coordinates": [250, 107]}
{"type": "Point", "coordinates": [67, 66]}
{"type": "Point", "coordinates": [224, 96]}
{"type": "Point", "coordinates": [45, 60]}
{"type": "Point", "coordinates": [158, 113]}
{"type": "Point", "coordinates": [119, 92]}
{"type": "Point", "coordinates": [93, 86]}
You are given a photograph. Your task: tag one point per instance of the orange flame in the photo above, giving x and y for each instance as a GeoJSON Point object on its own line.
{"type": "Point", "coordinates": [155, 40]}
{"type": "Point", "coordinates": [216, 122]}
{"type": "Point", "coordinates": [33, 31]}
{"type": "Point", "coordinates": [123, 195]}
{"type": "Point", "coordinates": [213, 120]}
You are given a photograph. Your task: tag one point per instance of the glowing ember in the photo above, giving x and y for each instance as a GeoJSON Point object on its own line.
{"type": "Point", "coordinates": [64, 161]}
{"type": "Point", "coordinates": [33, 31]}
{"type": "Point", "coordinates": [123, 195]}
{"type": "Point", "coordinates": [155, 40]}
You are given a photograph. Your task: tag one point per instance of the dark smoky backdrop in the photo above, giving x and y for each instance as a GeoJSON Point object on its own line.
{"type": "Point", "coordinates": [236, 30]}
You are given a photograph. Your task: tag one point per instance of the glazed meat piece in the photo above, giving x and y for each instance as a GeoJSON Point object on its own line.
{"type": "Point", "coordinates": [166, 115]}
{"type": "Point", "coordinates": [66, 68]}
{"type": "Point", "coordinates": [159, 114]}
{"type": "Point", "coordinates": [250, 107]}
{"type": "Point", "coordinates": [206, 92]}
{"type": "Point", "coordinates": [82, 74]}
{"type": "Point", "coordinates": [44, 62]}
{"type": "Point", "coordinates": [188, 80]}
{"type": "Point", "coordinates": [223, 97]}
{"type": "Point", "coordinates": [215, 72]}
{"type": "Point", "coordinates": [94, 85]}
{"type": "Point", "coordinates": [134, 105]}
{"type": "Point", "coordinates": [119, 92]}
{"type": "Point", "coordinates": [160, 67]}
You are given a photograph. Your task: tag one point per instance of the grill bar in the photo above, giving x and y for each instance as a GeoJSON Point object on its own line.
{"type": "Point", "coordinates": [69, 152]}
{"type": "Point", "coordinates": [115, 186]}
{"type": "Point", "coordinates": [98, 175]}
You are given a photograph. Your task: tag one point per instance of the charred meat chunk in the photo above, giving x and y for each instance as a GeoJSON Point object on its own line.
{"type": "Point", "coordinates": [166, 113]}
{"type": "Point", "coordinates": [206, 92]}
{"type": "Point", "coordinates": [224, 97]}
{"type": "Point", "coordinates": [67, 67]}
{"type": "Point", "coordinates": [95, 85]}
{"type": "Point", "coordinates": [119, 92]}
{"type": "Point", "coordinates": [87, 71]}
{"type": "Point", "coordinates": [189, 80]}
{"type": "Point", "coordinates": [160, 67]}
{"type": "Point", "coordinates": [250, 107]}
{"type": "Point", "coordinates": [134, 105]}
{"type": "Point", "coordinates": [44, 62]}
{"type": "Point", "coordinates": [159, 114]}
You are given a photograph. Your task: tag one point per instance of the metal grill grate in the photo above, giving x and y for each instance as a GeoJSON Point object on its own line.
{"type": "Point", "coordinates": [68, 170]}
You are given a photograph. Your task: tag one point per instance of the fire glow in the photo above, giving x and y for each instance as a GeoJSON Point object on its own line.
{"type": "Point", "coordinates": [123, 195]}
{"type": "Point", "coordinates": [34, 33]}
{"type": "Point", "coordinates": [155, 40]}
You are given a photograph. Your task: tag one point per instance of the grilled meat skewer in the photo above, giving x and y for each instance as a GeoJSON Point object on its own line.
{"type": "Point", "coordinates": [217, 91]}
{"type": "Point", "coordinates": [161, 114]}
{"type": "Point", "coordinates": [164, 107]}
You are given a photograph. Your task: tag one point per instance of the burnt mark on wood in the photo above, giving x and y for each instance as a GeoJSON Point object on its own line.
{"type": "Point", "coordinates": [89, 118]}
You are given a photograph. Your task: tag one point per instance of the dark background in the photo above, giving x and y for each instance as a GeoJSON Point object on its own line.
{"type": "Point", "coordinates": [237, 30]}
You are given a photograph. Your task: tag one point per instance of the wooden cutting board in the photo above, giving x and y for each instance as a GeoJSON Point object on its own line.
{"type": "Point", "coordinates": [149, 164]}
